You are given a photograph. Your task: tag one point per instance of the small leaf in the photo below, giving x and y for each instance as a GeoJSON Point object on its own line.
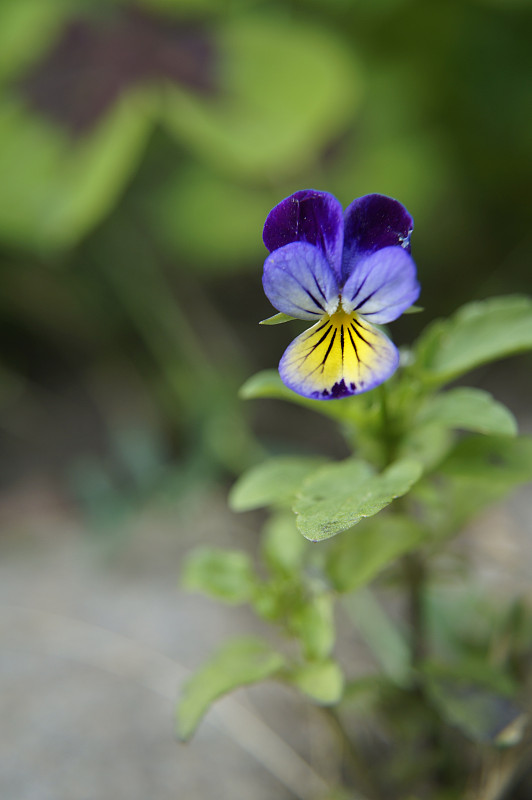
{"type": "Point", "coordinates": [476, 334]}
{"type": "Point", "coordinates": [414, 310]}
{"type": "Point", "coordinates": [323, 681]}
{"type": "Point", "coordinates": [282, 545]}
{"type": "Point", "coordinates": [338, 496]}
{"type": "Point", "coordinates": [277, 319]}
{"type": "Point", "coordinates": [225, 574]}
{"type": "Point", "coordinates": [313, 623]}
{"type": "Point", "coordinates": [470, 409]}
{"type": "Point", "coordinates": [357, 558]}
{"type": "Point", "coordinates": [239, 663]}
{"type": "Point", "coordinates": [272, 482]}
{"type": "Point", "coordinates": [268, 385]}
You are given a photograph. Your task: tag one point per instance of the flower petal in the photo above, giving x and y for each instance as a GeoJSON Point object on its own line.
{"type": "Point", "coordinates": [298, 281]}
{"type": "Point", "coordinates": [371, 223]}
{"type": "Point", "coordinates": [382, 286]}
{"type": "Point", "coordinates": [339, 356]}
{"type": "Point", "coordinates": [308, 216]}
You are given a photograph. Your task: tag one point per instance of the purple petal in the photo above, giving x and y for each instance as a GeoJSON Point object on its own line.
{"type": "Point", "coordinates": [308, 216]}
{"type": "Point", "coordinates": [371, 223]}
{"type": "Point", "coordinates": [298, 281]}
{"type": "Point", "coordinates": [382, 285]}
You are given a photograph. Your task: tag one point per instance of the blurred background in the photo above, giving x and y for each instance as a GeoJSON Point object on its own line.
{"type": "Point", "coordinates": [141, 148]}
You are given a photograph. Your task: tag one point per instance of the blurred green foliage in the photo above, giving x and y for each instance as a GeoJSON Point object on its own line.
{"type": "Point", "coordinates": [142, 145]}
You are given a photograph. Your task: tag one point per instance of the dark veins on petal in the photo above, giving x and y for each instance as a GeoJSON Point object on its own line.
{"type": "Point", "coordinates": [95, 62]}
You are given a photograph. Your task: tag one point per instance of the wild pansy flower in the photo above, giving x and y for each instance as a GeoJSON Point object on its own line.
{"type": "Point", "coordinates": [346, 272]}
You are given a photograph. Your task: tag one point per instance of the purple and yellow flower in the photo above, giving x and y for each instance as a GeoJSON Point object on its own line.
{"type": "Point", "coordinates": [347, 272]}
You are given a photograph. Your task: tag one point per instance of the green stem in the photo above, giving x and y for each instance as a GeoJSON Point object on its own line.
{"type": "Point", "coordinates": [363, 778]}
{"type": "Point", "coordinates": [387, 433]}
{"type": "Point", "coordinates": [415, 578]}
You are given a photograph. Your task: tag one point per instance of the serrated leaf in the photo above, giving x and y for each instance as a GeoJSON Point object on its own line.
{"type": "Point", "coordinates": [277, 319]}
{"type": "Point", "coordinates": [338, 496]}
{"type": "Point", "coordinates": [225, 574]}
{"type": "Point", "coordinates": [273, 482]}
{"type": "Point", "coordinates": [469, 409]}
{"type": "Point", "coordinates": [323, 681]}
{"type": "Point", "coordinates": [478, 333]}
{"type": "Point", "coordinates": [357, 558]}
{"type": "Point", "coordinates": [239, 663]}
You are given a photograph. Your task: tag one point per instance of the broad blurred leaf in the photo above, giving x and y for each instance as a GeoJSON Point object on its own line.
{"type": "Point", "coordinates": [286, 90]}
{"type": "Point", "coordinates": [339, 495]}
{"type": "Point", "coordinates": [272, 482]}
{"type": "Point", "coordinates": [477, 333]}
{"type": "Point", "coordinates": [282, 544]}
{"type": "Point", "coordinates": [239, 663]}
{"type": "Point", "coordinates": [211, 219]}
{"type": "Point", "coordinates": [27, 29]}
{"type": "Point", "coordinates": [225, 574]}
{"type": "Point", "coordinates": [470, 409]}
{"type": "Point", "coordinates": [359, 556]}
{"type": "Point", "coordinates": [55, 188]}
{"type": "Point", "coordinates": [323, 681]}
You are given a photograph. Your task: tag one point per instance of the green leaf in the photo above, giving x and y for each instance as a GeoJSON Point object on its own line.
{"type": "Point", "coordinates": [469, 409]}
{"type": "Point", "coordinates": [426, 443]}
{"type": "Point", "coordinates": [268, 385]}
{"type": "Point", "coordinates": [208, 218]}
{"type": "Point", "coordinates": [27, 29]}
{"type": "Point", "coordinates": [239, 663]}
{"type": "Point", "coordinates": [358, 557]}
{"type": "Point", "coordinates": [323, 681]}
{"type": "Point", "coordinates": [282, 544]}
{"type": "Point", "coordinates": [501, 461]}
{"type": "Point", "coordinates": [414, 310]}
{"type": "Point", "coordinates": [285, 91]}
{"type": "Point", "coordinates": [54, 188]}
{"type": "Point", "coordinates": [338, 496]}
{"type": "Point", "coordinates": [225, 574]}
{"type": "Point", "coordinates": [277, 319]}
{"type": "Point", "coordinates": [479, 471]}
{"type": "Point", "coordinates": [313, 623]}
{"type": "Point", "coordinates": [478, 333]}
{"type": "Point", "coordinates": [272, 482]}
